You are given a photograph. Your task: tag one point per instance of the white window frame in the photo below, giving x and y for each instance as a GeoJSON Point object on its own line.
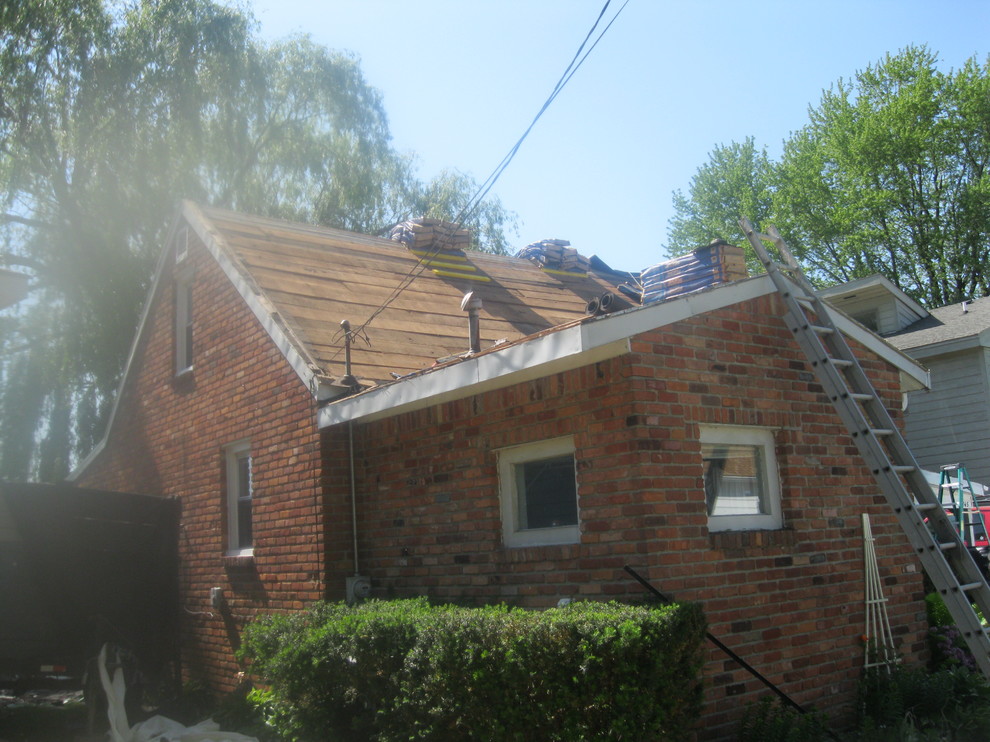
{"type": "Point", "coordinates": [234, 454]}
{"type": "Point", "coordinates": [762, 439]}
{"type": "Point", "coordinates": [183, 325]}
{"type": "Point", "coordinates": [181, 244]}
{"type": "Point", "coordinates": [508, 460]}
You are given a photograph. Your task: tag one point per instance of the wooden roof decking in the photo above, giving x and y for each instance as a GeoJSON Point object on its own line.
{"type": "Point", "coordinates": [315, 277]}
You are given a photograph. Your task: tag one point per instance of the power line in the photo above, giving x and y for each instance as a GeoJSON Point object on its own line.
{"type": "Point", "coordinates": [475, 201]}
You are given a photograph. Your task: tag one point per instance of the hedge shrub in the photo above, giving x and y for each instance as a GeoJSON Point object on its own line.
{"type": "Point", "coordinates": [405, 670]}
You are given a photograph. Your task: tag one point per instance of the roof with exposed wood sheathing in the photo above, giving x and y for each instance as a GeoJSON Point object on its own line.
{"type": "Point", "coordinates": [315, 277]}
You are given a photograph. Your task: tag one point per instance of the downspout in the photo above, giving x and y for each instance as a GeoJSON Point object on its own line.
{"type": "Point", "coordinates": [354, 526]}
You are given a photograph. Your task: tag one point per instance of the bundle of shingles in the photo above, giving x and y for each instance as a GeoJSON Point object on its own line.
{"type": "Point", "coordinates": [431, 234]}
{"type": "Point", "coordinates": [555, 255]}
{"type": "Point", "coordinates": [718, 262]}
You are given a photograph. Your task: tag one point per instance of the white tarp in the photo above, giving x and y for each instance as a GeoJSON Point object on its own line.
{"type": "Point", "coordinates": [157, 728]}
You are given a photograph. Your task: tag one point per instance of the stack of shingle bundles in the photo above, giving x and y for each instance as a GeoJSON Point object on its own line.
{"type": "Point", "coordinates": [555, 255]}
{"type": "Point", "coordinates": [430, 234]}
{"type": "Point", "coordinates": [706, 266]}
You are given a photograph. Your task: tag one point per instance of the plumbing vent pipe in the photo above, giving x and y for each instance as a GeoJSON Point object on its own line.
{"type": "Point", "coordinates": [472, 305]}
{"type": "Point", "coordinates": [347, 379]}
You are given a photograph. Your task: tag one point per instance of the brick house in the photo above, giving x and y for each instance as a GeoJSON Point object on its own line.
{"type": "Point", "coordinates": [685, 438]}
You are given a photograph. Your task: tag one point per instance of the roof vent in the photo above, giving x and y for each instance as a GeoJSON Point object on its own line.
{"type": "Point", "coordinates": [471, 303]}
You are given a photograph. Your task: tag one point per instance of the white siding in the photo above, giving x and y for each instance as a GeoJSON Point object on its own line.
{"type": "Point", "coordinates": [951, 423]}
{"type": "Point", "coordinates": [905, 316]}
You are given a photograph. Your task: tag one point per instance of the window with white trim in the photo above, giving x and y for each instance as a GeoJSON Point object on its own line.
{"type": "Point", "coordinates": [240, 536]}
{"type": "Point", "coordinates": [742, 486]}
{"type": "Point", "coordinates": [183, 326]}
{"type": "Point", "coordinates": [538, 487]}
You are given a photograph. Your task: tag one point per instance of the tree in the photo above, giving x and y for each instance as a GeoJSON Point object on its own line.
{"type": "Point", "coordinates": [110, 113]}
{"type": "Point", "coordinates": [735, 181]}
{"type": "Point", "coordinates": [889, 176]}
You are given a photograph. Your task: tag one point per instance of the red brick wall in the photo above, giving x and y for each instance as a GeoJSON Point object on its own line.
{"type": "Point", "coordinates": [790, 602]}
{"type": "Point", "coordinates": [168, 439]}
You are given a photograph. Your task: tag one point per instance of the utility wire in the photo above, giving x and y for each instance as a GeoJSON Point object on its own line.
{"type": "Point", "coordinates": [475, 201]}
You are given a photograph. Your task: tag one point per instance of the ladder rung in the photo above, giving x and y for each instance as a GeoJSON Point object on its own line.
{"type": "Point", "coordinates": [811, 315]}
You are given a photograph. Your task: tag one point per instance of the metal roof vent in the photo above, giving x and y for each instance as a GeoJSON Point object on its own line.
{"type": "Point", "coordinates": [472, 305]}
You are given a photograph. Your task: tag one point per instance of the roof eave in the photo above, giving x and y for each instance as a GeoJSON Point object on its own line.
{"type": "Point", "coordinates": [946, 347]}
{"type": "Point", "coordinates": [289, 345]}
{"type": "Point", "coordinates": [571, 347]}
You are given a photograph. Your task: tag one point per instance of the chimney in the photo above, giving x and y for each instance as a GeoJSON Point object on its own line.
{"type": "Point", "coordinates": [472, 305]}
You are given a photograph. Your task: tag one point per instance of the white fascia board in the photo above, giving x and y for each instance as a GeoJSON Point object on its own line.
{"type": "Point", "coordinates": [561, 350]}
{"type": "Point", "coordinates": [572, 347]}
{"type": "Point", "coordinates": [284, 339]}
{"type": "Point", "coordinates": [548, 354]}
{"type": "Point", "coordinates": [135, 344]}
{"type": "Point", "coordinates": [947, 346]}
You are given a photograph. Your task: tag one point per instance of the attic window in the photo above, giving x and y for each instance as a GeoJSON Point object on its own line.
{"type": "Point", "coordinates": [742, 489]}
{"type": "Point", "coordinates": [181, 244]}
{"type": "Point", "coordinates": [539, 493]}
{"type": "Point", "coordinates": [868, 319]}
{"type": "Point", "coordinates": [183, 326]}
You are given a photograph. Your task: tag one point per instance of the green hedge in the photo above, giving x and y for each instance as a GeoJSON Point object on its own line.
{"type": "Point", "coordinates": [405, 670]}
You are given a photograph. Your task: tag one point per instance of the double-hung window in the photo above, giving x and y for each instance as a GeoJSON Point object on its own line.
{"type": "Point", "coordinates": [742, 488]}
{"type": "Point", "coordinates": [240, 537]}
{"type": "Point", "coordinates": [538, 485]}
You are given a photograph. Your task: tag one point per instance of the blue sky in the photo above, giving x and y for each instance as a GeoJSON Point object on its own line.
{"type": "Point", "coordinates": [461, 80]}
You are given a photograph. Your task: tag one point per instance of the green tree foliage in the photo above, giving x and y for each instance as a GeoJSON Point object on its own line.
{"type": "Point", "coordinates": [736, 180]}
{"type": "Point", "coordinates": [889, 176]}
{"type": "Point", "coordinates": [112, 111]}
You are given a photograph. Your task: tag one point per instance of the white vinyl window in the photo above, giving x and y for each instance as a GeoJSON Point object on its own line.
{"type": "Point", "coordinates": [183, 326]}
{"type": "Point", "coordinates": [538, 484]}
{"type": "Point", "coordinates": [240, 536]}
{"type": "Point", "coordinates": [742, 487]}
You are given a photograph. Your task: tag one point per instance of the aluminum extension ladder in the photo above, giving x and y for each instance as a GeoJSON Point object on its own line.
{"type": "Point", "coordinates": [930, 531]}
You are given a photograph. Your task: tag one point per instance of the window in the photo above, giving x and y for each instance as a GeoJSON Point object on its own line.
{"type": "Point", "coordinates": [183, 326]}
{"type": "Point", "coordinates": [240, 540]}
{"type": "Point", "coordinates": [539, 493]}
{"type": "Point", "coordinates": [181, 245]}
{"type": "Point", "coordinates": [869, 319]}
{"type": "Point", "coordinates": [742, 489]}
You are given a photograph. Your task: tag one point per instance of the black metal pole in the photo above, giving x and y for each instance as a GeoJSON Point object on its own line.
{"type": "Point", "coordinates": [745, 665]}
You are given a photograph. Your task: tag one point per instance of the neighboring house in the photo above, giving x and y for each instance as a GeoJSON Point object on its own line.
{"type": "Point", "coordinates": [685, 438]}
{"type": "Point", "coordinates": [950, 422]}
